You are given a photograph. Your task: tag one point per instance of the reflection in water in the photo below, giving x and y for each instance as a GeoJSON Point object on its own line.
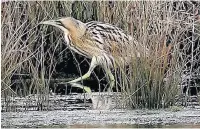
{"type": "Point", "coordinates": [135, 126]}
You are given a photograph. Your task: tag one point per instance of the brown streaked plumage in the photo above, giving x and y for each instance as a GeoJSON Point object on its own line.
{"type": "Point", "coordinates": [105, 44]}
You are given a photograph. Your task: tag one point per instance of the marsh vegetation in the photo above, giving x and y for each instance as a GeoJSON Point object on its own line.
{"type": "Point", "coordinates": [35, 58]}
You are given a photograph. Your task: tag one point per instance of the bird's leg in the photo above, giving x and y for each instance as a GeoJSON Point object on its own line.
{"type": "Point", "coordinates": [92, 66]}
{"type": "Point", "coordinates": [86, 88]}
{"type": "Point", "coordinates": [111, 78]}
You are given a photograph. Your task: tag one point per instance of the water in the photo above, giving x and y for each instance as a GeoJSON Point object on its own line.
{"type": "Point", "coordinates": [128, 126]}
{"type": "Point", "coordinates": [185, 118]}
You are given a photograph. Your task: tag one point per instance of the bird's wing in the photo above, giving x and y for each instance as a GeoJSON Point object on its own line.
{"type": "Point", "coordinates": [107, 32]}
{"type": "Point", "coordinates": [111, 38]}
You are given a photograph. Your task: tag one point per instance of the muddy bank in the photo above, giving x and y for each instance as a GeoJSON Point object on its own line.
{"type": "Point", "coordinates": [103, 118]}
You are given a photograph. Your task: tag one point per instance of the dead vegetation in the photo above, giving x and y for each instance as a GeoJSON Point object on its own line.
{"type": "Point", "coordinates": [168, 29]}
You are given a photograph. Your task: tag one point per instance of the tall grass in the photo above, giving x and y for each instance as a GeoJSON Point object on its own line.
{"type": "Point", "coordinates": [25, 49]}
{"type": "Point", "coordinates": [153, 80]}
{"type": "Point", "coordinates": [149, 81]}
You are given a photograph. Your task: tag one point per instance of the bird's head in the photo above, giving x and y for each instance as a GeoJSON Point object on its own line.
{"type": "Point", "coordinates": [68, 25]}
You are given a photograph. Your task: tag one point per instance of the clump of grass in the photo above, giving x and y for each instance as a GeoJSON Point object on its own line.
{"type": "Point", "coordinates": [153, 79]}
{"type": "Point", "coordinates": [25, 51]}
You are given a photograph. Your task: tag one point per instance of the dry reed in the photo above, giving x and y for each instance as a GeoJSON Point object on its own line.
{"type": "Point", "coordinates": [150, 81]}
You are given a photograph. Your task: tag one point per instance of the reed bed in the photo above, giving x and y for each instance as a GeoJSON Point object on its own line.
{"type": "Point", "coordinates": [151, 81]}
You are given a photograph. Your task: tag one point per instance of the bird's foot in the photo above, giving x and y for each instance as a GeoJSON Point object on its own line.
{"type": "Point", "coordinates": [110, 90]}
{"type": "Point", "coordinates": [85, 76]}
{"type": "Point", "coordinates": [86, 88]}
{"type": "Point", "coordinates": [69, 82]}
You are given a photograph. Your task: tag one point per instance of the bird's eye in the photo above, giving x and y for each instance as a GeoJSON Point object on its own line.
{"type": "Point", "coordinates": [76, 24]}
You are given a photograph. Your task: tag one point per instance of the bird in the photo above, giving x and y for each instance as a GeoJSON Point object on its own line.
{"type": "Point", "coordinates": [105, 44]}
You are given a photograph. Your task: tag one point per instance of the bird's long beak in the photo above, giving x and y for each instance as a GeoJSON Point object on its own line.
{"type": "Point", "coordinates": [55, 23]}
{"type": "Point", "coordinates": [49, 22]}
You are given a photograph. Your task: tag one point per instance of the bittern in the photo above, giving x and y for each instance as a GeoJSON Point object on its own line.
{"type": "Point", "coordinates": [104, 43]}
